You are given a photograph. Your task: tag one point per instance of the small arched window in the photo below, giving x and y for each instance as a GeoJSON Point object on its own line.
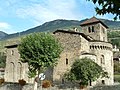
{"type": "Point", "coordinates": [102, 59]}
{"type": "Point", "coordinates": [89, 29]}
{"type": "Point", "coordinates": [103, 82]}
{"type": "Point", "coordinates": [93, 29]}
{"type": "Point", "coordinates": [12, 52]}
{"type": "Point", "coordinates": [19, 70]}
{"type": "Point", "coordinates": [66, 61]}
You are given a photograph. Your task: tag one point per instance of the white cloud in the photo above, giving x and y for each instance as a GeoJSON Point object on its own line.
{"type": "Point", "coordinates": [49, 10]}
{"type": "Point", "coordinates": [5, 27]}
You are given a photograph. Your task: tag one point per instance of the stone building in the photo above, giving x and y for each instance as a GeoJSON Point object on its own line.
{"type": "Point", "coordinates": [15, 69]}
{"type": "Point", "coordinates": [91, 43]}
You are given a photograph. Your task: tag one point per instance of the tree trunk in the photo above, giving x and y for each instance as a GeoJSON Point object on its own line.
{"type": "Point", "coordinates": [36, 83]}
{"type": "Point", "coordinates": [90, 83]}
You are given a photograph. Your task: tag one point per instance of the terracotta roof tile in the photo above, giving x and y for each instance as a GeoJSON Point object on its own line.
{"type": "Point", "coordinates": [91, 21]}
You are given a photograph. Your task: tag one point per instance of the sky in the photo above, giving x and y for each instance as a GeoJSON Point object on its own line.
{"type": "Point", "coordinates": [21, 15]}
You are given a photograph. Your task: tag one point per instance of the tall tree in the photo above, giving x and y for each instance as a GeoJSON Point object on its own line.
{"type": "Point", "coordinates": [85, 70]}
{"type": "Point", "coordinates": [108, 6]}
{"type": "Point", "coordinates": [40, 51]}
{"type": "Point", "coordinates": [2, 60]}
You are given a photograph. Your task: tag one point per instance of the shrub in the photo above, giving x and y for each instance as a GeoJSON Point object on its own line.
{"type": "Point", "coordinates": [117, 78]}
{"type": "Point", "coordinates": [22, 82]}
{"type": "Point", "coordinates": [2, 80]}
{"type": "Point", "coordinates": [46, 84]}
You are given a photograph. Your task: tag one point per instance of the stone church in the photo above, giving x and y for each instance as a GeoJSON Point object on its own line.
{"type": "Point", "coordinates": [91, 43]}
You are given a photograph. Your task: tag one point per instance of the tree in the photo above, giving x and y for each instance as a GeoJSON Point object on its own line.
{"type": "Point", "coordinates": [114, 38]}
{"type": "Point", "coordinates": [116, 67]}
{"type": "Point", "coordinates": [2, 60]}
{"type": "Point", "coordinates": [108, 6]}
{"type": "Point", "coordinates": [40, 51]}
{"type": "Point", "coordinates": [85, 70]}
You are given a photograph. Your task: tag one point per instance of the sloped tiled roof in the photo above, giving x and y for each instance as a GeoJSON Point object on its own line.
{"type": "Point", "coordinates": [91, 21]}
{"type": "Point", "coordinates": [73, 32]}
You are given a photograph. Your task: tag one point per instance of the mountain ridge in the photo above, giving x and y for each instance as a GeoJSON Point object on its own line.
{"type": "Point", "coordinates": [60, 24]}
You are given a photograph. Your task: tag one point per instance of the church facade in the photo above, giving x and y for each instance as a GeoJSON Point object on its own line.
{"type": "Point", "coordinates": [91, 43]}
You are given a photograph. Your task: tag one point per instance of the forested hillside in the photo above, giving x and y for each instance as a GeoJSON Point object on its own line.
{"type": "Point", "coordinates": [61, 24]}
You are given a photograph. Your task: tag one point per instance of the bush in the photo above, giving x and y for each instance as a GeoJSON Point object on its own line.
{"type": "Point", "coordinates": [46, 84]}
{"type": "Point", "coordinates": [2, 80]}
{"type": "Point", "coordinates": [117, 78]}
{"type": "Point", "coordinates": [22, 82]}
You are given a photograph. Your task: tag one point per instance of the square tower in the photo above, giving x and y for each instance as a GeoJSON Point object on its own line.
{"type": "Point", "coordinates": [95, 28]}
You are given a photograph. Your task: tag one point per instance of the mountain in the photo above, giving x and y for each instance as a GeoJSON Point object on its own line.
{"type": "Point", "coordinates": [61, 24]}
{"type": "Point", "coordinates": [2, 34]}
{"type": "Point", "coordinates": [113, 25]}
{"type": "Point", "coordinates": [48, 27]}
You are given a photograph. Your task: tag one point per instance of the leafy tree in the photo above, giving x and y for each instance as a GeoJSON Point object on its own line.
{"type": "Point", "coordinates": [116, 67]}
{"type": "Point", "coordinates": [108, 6]}
{"type": "Point", "coordinates": [114, 38]}
{"type": "Point", "coordinates": [85, 70]}
{"type": "Point", "coordinates": [114, 34]}
{"type": "Point", "coordinates": [2, 60]}
{"type": "Point", "coordinates": [116, 42]}
{"type": "Point", "coordinates": [40, 51]}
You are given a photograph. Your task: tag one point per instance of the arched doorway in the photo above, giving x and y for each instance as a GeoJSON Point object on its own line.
{"type": "Point", "coordinates": [12, 71]}
{"type": "Point", "coordinates": [19, 70]}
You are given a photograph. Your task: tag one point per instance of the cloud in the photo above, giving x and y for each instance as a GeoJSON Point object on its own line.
{"type": "Point", "coordinates": [5, 27]}
{"type": "Point", "coordinates": [48, 10]}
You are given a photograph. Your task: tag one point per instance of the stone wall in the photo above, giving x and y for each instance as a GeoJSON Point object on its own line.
{"type": "Point", "coordinates": [99, 33]}
{"type": "Point", "coordinates": [73, 45]}
{"type": "Point", "coordinates": [30, 87]}
{"type": "Point", "coordinates": [103, 51]}
{"type": "Point", "coordinates": [15, 69]}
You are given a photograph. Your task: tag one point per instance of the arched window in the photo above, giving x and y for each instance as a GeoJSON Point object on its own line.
{"type": "Point", "coordinates": [89, 29]}
{"type": "Point", "coordinates": [93, 29]}
{"type": "Point", "coordinates": [103, 82]}
{"type": "Point", "coordinates": [111, 61]}
{"type": "Point", "coordinates": [12, 52]}
{"type": "Point", "coordinates": [66, 61]}
{"type": "Point", "coordinates": [102, 59]}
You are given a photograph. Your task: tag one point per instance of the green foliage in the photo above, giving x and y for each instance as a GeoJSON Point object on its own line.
{"type": "Point", "coordinates": [84, 70]}
{"type": "Point", "coordinates": [39, 50]}
{"type": "Point", "coordinates": [116, 67]}
{"type": "Point", "coordinates": [114, 37]}
{"type": "Point", "coordinates": [48, 27]}
{"type": "Point", "coordinates": [113, 34]}
{"type": "Point", "coordinates": [117, 78]}
{"type": "Point", "coordinates": [60, 24]}
{"type": "Point", "coordinates": [116, 42]}
{"type": "Point", "coordinates": [108, 6]}
{"type": "Point", "coordinates": [2, 60]}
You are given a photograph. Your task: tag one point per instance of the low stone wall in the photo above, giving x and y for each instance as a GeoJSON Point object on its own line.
{"type": "Point", "coordinates": [112, 87]}
{"type": "Point", "coordinates": [16, 86]}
